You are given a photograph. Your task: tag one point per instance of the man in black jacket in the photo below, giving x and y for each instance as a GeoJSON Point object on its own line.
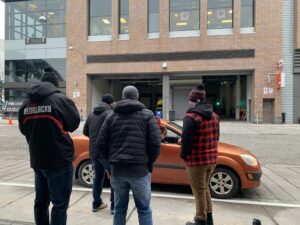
{"type": "Point", "coordinates": [91, 129]}
{"type": "Point", "coordinates": [46, 119]}
{"type": "Point", "coordinates": [130, 140]}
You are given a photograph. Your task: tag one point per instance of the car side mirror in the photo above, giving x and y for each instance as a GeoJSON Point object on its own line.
{"type": "Point", "coordinates": [171, 140]}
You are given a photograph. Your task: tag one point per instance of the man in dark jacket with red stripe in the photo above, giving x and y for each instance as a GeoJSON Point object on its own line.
{"type": "Point", "coordinates": [46, 119]}
{"type": "Point", "coordinates": [199, 149]}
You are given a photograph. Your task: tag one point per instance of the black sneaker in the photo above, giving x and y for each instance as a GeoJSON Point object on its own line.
{"type": "Point", "coordinates": [102, 206]}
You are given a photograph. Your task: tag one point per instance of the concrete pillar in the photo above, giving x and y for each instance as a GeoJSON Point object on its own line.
{"type": "Point", "coordinates": [288, 20]}
{"type": "Point", "coordinates": [166, 96]}
{"type": "Point", "coordinates": [227, 98]}
{"type": "Point", "coordinates": [249, 98]}
{"type": "Point", "coordinates": [237, 97]}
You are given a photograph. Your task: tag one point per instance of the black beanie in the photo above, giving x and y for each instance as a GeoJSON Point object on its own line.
{"type": "Point", "coordinates": [130, 92]}
{"type": "Point", "coordinates": [108, 98]}
{"type": "Point", "coordinates": [50, 76]}
{"type": "Point", "coordinates": [197, 94]}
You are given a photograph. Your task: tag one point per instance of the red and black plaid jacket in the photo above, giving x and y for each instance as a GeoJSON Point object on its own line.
{"type": "Point", "coordinates": [205, 140]}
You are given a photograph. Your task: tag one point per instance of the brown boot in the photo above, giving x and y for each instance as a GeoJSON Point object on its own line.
{"type": "Point", "coordinates": [197, 222]}
{"type": "Point", "coordinates": [209, 220]}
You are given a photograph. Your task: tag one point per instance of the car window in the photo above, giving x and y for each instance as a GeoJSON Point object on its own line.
{"type": "Point", "coordinates": [171, 137]}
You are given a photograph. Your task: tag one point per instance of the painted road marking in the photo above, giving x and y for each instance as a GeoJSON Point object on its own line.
{"type": "Point", "coordinates": [178, 196]}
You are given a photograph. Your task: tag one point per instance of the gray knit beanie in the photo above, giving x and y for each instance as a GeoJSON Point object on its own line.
{"type": "Point", "coordinates": [130, 92]}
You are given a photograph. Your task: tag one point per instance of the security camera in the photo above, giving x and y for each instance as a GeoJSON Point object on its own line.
{"type": "Point", "coordinates": [164, 65]}
{"type": "Point", "coordinates": [43, 19]}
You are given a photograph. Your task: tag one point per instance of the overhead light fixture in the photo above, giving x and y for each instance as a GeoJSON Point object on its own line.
{"type": "Point", "coordinates": [209, 13]}
{"type": "Point", "coordinates": [175, 15]}
{"type": "Point", "coordinates": [208, 22]}
{"type": "Point", "coordinates": [226, 21]}
{"type": "Point", "coordinates": [50, 13]}
{"type": "Point", "coordinates": [181, 24]}
{"type": "Point", "coordinates": [106, 21]}
{"type": "Point", "coordinates": [123, 20]}
{"type": "Point", "coordinates": [230, 11]}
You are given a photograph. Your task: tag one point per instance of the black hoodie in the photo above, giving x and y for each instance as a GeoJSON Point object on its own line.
{"type": "Point", "coordinates": [46, 119]}
{"type": "Point", "coordinates": [93, 124]}
{"type": "Point", "coordinates": [130, 139]}
{"type": "Point", "coordinates": [205, 110]}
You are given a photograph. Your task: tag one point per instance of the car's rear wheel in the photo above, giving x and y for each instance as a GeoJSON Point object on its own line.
{"type": "Point", "coordinates": [86, 173]}
{"type": "Point", "coordinates": [223, 183]}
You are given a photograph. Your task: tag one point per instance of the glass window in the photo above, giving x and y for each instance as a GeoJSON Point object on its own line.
{"type": "Point", "coordinates": [220, 14]}
{"type": "Point", "coordinates": [184, 15]}
{"type": "Point", "coordinates": [39, 5]}
{"type": "Point", "coordinates": [100, 17]}
{"type": "Point", "coordinates": [247, 13]}
{"type": "Point", "coordinates": [30, 70]}
{"type": "Point", "coordinates": [55, 17]}
{"type": "Point", "coordinates": [153, 16]}
{"type": "Point", "coordinates": [124, 17]}
{"type": "Point", "coordinates": [56, 31]}
{"type": "Point", "coordinates": [56, 4]}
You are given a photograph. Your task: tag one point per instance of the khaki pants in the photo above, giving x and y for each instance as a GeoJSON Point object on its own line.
{"type": "Point", "coordinates": [199, 177]}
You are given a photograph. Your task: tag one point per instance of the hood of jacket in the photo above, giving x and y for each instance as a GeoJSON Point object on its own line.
{"type": "Point", "coordinates": [101, 108]}
{"type": "Point", "coordinates": [203, 109]}
{"type": "Point", "coordinates": [41, 90]}
{"type": "Point", "coordinates": [128, 106]}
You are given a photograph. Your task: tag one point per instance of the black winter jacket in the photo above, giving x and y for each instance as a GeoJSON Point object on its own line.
{"type": "Point", "coordinates": [46, 119]}
{"type": "Point", "coordinates": [130, 139]}
{"type": "Point", "coordinates": [93, 124]}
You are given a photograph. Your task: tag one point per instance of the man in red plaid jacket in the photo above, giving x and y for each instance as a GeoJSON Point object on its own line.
{"type": "Point", "coordinates": [199, 149]}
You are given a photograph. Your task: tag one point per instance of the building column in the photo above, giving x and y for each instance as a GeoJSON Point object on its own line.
{"type": "Point", "coordinates": [237, 97]}
{"type": "Point", "coordinates": [166, 96]}
{"type": "Point", "coordinates": [227, 87]}
{"type": "Point", "coordinates": [249, 98]}
{"type": "Point", "coordinates": [288, 21]}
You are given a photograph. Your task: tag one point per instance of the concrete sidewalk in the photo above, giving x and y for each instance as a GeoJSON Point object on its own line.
{"type": "Point", "coordinates": [16, 206]}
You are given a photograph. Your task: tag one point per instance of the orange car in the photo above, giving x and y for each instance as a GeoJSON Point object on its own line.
{"type": "Point", "coordinates": [236, 169]}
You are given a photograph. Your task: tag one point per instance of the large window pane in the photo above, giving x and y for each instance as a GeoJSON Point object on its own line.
{"type": "Point", "coordinates": [220, 14]}
{"type": "Point", "coordinates": [39, 5]}
{"type": "Point", "coordinates": [184, 15]}
{"type": "Point", "coordinates": [56, 16]}
{"type": "Point", "coordinates": [124, 17]}
{"type": "Point", "coordinates": [56, 4]}
{"type": "Point", "coordinates": [153, 16]}
{"type": "Point", "coordinates": [100, 17]}
{"type": "Point", "coordinates": [56, 31]}
{"type": "Point", "coordinates": [247, 13]}
{"type": "Point", "coordinates": [30, 70]}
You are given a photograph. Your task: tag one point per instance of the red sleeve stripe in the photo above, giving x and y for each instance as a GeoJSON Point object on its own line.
{"type": "Point", "coordinates": [58, 123]}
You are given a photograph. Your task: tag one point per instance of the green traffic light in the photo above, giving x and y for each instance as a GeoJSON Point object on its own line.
{"type": "Point", "coordinates": [218, 103]}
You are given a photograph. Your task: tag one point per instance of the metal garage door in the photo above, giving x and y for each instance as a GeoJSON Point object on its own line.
{"type": "Point", "coordinates": [180, 101]}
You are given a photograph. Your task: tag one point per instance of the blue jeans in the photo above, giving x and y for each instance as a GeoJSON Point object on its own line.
{"type": "Point", "coordinates": [53, 185]}
{"type": "Point", "coordinates": [98, 184]}
{"type": "Point", "coordinates": [141, 189]}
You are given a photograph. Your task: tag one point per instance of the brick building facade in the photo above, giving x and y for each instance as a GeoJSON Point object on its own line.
{"type": "Point", "coordinates": [259, 69]}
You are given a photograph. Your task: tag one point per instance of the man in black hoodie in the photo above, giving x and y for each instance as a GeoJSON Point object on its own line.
{"type": "Point", "coordinates": [46, 119]}
{"type": "Point", "coordinates": [199, 149]}
{"type": "Point", "coordinates": [130, 140]}
{"type": "Point", "coordinates": [91, 129]}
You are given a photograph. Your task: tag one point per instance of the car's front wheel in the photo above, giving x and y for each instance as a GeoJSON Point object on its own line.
{"type": "Point", "coordinates": [223, 183]}
{"type": "Point", "coordinates": [86, 173]}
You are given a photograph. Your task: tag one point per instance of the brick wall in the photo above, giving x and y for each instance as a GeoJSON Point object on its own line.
{"type": "Point", "coordinates": [267, 42]}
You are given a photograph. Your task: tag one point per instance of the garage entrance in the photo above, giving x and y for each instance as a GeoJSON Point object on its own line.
{"type": "Point", "coordinates": [150, 89]}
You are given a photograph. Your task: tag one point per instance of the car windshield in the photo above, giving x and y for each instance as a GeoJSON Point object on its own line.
{"type": "Point", "coordinates": [175, 125]}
